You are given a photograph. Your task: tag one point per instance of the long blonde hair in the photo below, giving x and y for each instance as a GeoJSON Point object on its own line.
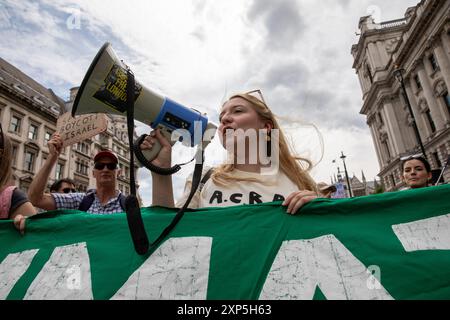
{"type": "Point", "coordinates": [5, 162]}
{"type": "Point", "coordinates": [295, 167]}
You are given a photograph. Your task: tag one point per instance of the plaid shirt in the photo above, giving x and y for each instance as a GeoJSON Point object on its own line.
{"type": "Point", "coordinates": [69, 201]}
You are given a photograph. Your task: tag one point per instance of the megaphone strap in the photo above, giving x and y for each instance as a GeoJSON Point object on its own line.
{"type": "Point", "coordinates": [133, 211]}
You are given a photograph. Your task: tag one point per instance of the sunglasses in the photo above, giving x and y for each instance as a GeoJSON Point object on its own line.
{"type": "Point", "coordinates": [411, 157]}
{"type": "Point", "coordinates": [257, 94]}
{"type": "Point", "coordinates": [101, 166]}
{"type": "Point", "coordinates": [69, 190]}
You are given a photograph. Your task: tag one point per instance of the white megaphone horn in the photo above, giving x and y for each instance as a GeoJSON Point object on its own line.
{"type": "Point", "coordinates": [103, 90]}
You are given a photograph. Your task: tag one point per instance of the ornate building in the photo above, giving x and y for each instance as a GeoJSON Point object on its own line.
{"type": "Point", "coordinates": [419, 43]}
{"type": "Point", "coordinates": [359, 188]}
{"type": "Point", "coordinates": [29, 112]}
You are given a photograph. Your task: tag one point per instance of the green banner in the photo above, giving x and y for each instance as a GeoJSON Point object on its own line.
{"type": "Point", "coordinates": [389, 246]}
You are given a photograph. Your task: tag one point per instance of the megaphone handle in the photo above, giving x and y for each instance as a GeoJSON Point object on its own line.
{"type": "Point", "coordinates": [150, 155]}
{"type": "Point", "coordinates": [143, 159]}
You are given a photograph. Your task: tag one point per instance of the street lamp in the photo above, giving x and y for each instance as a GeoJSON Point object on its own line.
{"type": "Point", "coordinates": [398, 73]}
{"type": "Point", "coordinates": [346, 175]}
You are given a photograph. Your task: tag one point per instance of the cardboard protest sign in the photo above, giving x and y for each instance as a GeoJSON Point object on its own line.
{"type": "Point", "coordinates": [73, 130]}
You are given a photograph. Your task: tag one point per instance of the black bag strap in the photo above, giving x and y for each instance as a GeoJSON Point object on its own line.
{"type": "Point", "coordinates": [122, 200]}
{"type": "Point", "coordinates": [205, 179]}
{"type": "Point", "coordinates": [86, 202]}
{"type": "Point", "coordinates": [89, 198]}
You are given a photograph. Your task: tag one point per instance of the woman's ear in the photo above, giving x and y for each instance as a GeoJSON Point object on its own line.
{"type": "Point", "coordinates": [269, 125]}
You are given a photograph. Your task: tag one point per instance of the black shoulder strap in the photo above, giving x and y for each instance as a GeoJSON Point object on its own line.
{"type": "Point", "coordinates": [87, 201]}
{"type": "Point", "coordinates": [205, 178]}
{"type": "Point", "coordinates": [122, 200]}
{"type": "Point", "coordinates": [89, 198]}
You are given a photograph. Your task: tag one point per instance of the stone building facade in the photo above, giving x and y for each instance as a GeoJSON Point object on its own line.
{"type": "Point", "coordinates": [28, 114]}
{"type": "Point", "coordinates": [419, 43]}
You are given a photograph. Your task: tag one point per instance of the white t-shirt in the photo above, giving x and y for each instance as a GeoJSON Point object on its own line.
{"type": "Point", "coordinates": [271, 188]}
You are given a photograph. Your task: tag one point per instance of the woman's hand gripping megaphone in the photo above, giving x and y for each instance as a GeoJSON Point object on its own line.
{"type": "Point", "coordinates": [157, 148]}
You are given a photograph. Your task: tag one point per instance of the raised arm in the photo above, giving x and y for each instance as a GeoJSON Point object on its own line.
{"type": "Point", "coordinates": [37, 186]}
{"type": "Point", "coordinates": [162, 194]}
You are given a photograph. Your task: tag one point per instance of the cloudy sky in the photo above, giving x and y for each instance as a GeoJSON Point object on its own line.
{"type": "Point", "coordinates": [198, 52]}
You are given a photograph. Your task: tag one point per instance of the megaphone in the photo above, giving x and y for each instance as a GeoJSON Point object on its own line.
{"type": "Point", "coordinates": [103, 90]}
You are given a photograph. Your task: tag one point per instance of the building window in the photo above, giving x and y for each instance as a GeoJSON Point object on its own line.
{"type": "Point", "coordinates": [386, 147]}
{"type": "Point", "coordinates": [15, 124]}
{"type": "Point", "coordinates": [103, 139]}
{"type": "Point", "coordinates": [430, 121]}
{"type": "Point", "coordinates": [446, 97]}
{"type": "Point", "coordinates": [59, 171]}
{"type": "Point", "coordinates": [82, 168]}
{"type": "Point", "coordinates": [433, 62]}
{"type": "Point", "coordinates": [437, 160]}
{"type": "Point", "coordinates": [19, 88]}
{"type": "Point", "coordinates": [33, 132]}
{"type": "Point", "coordinates": [380, 119]}
{"type": "Point", "coordinates": [83, 148]}
{"type": "Point", "coordinates": [29, 161]}
{"type": "Point", "coordinates": [14, 155]}
{"type": "Point", "coordinates": [24, 186]}
{"type": "Point", "coordinates": [47, 136]}
{"type": "Point", "coordinates": [369, 73]}
{"type": "Point", "coordinates": [417, 81]}
{"type": "Point", "coordinates": [392, 180]}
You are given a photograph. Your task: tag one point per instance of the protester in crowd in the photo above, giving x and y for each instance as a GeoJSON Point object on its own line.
{"type": "Point", "coordinates": [14, 203]}
{"type": "Point", "coordinates": [242, 180]}
{"type": "Point", "coordinates": [65, 185]}
{"type": "Point", "coordinates": [104, 199]}
{"type": "Point", "coordinates": [416, 172]}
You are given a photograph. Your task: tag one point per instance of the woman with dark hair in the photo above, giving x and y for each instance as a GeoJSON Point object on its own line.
{"type": "Point", "coordinates": [14, 204]}
{"type": "Point", "coordinates": [416, 172]}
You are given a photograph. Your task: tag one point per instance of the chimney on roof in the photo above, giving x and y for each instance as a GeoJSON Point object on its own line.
{"type": "Point", "coordinates": [73, 93]}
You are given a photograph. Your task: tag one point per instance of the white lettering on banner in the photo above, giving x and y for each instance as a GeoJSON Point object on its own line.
{"type": "Point", "coordinates": [12, 269]}
{"type": "Point", "coordinates": [374, 280]}
{"type": "Point", "coordinates": [427, 234]}
{"type": "Point", "coordinates": [302, 265]}
{"type": "Point", "coordinates": [178, 270]}
{"type": "Point", "coordinates": [65, 276]}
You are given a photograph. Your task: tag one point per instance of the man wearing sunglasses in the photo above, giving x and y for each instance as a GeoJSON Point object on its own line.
{"type": "Point", "coordinates": [104, 199]}
{"type": "Point", "coordinates": [65, 185]}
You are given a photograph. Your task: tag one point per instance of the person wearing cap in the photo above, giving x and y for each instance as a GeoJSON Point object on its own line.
{"type": "Point", "coordinates": [104, 199]}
